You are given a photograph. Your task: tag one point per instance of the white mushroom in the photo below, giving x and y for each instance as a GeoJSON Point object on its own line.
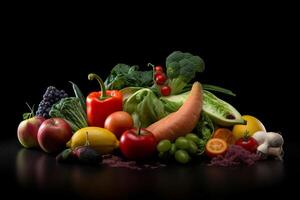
{"type": "Point", "coordinates": [260, 136]}
{"type": "Point", "coordinates": [277, 152]}
{"type": "Point", "coordinates": [270, 143]}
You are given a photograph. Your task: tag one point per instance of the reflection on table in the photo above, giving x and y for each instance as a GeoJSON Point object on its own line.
{"type": "Point", "coordinates": [39, 170]}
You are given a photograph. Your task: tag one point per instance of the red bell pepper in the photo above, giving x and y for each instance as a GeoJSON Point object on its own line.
{"type": "Point", "coordinates": [101, 104]}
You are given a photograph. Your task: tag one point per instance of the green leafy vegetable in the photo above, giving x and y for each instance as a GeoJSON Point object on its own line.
{"type": "Point", "coordinates": [145, 107]}
{"type": "Point", "coordinates": [123, 75]}
{"type": "Point", "coordinates": [181, 69]}
{"type": "Point", "coordinates": [204, 129]}
{"type": "Point", "coordinates": [72, 111]}
{"type": "Point", "coordinates": [128, 91]}
{"type": "Point", "coordinates": [79, 94]}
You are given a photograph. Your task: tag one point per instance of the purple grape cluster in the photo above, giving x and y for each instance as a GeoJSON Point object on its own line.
{"type": "Point", "coordinates": [51, 96]}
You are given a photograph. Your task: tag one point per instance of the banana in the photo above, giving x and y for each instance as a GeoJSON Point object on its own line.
{"type": "Point", "coordinates": [99, 139]}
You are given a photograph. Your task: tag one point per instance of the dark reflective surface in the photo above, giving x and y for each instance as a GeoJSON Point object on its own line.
{"type": "Point", "coordinates": [32, 172]}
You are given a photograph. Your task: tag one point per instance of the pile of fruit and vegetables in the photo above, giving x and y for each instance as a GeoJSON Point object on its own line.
{"type": "Point", "coordinates": [158, 116]}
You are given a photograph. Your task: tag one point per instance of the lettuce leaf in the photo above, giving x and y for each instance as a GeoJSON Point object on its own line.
{"type": "Point", "coordinates": [145, 107]}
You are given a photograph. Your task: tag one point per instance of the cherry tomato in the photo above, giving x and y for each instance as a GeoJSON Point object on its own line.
{"type": "Point", "coordinates": [215, 147]}
{"type": "Point", "coordinates": [160, 79]}
{"type": "Point", "coordinates": [165, 90]}
{"type": "Point", "coordinates": [157, 74]}
{"type": "Point", "coordinates": [248, 143]}
{"type": "Point", "coordinates": [158, 69]}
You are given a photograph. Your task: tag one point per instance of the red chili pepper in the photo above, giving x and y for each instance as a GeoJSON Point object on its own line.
{"type": "Point", "coordinates": [101, 104]}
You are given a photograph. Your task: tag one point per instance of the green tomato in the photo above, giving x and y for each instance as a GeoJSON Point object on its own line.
{"type": "Point", "coordinates": [182, 156]}
{"type": "Point", "coordinates": [163, 146]}
{"type": "Point", "coordinates": [193, 137]}
{"type": "Point", "coordinates": [173, 149]}
{"type": "Point", "coordinates": [182, 143]}
{"type": "Point", "coordinates": [192, 147]}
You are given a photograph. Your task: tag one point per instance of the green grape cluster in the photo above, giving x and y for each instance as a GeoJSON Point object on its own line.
{"type": "Point", "coordinates": [182, 149]}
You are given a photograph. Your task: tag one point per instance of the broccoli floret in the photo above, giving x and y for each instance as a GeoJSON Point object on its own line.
{"type": "Point", "coordinates": [181, 69]}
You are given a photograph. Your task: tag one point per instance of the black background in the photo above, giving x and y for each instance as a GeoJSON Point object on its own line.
{"type": "Point", "coordinates": [250, 51]}
{"type": "Point", "coordinates": [252, 57]}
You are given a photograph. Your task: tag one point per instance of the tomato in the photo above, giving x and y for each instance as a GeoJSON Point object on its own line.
{"type": "Point", "coordinates": [248, 143]}
{"type": "Point", "coordinates": [253, 125]}
{"type": "Point", "coordinates": [165, 90]}
{"type": "Point", "coordinates": [158, 74]}
{"type": "Point", "coordinates": [215, 147]}
{"type": "Point", "coordinates": [118, 122]}
{"type": "Point", "coordinates": [160, 79]}
{"type": "Point", "coordinates": [158, 69]}
{"type": "Point", "coordinates": [224, 134]}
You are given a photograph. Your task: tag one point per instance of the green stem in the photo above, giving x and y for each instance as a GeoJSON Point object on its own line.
{"type": "Point", "coordinates": [31, 110]}
{"type": "Point", "coordinates": [93, 76]}
{"type": "Point", "coordinates": [150, 65]}
{"type": "Point", "coordinates": [153, 71]}
{"type": "Point", "coordinates": [246, 135]}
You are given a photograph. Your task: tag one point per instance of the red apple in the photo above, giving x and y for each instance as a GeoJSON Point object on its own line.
{"type": "Point", "coordinates": [27, 131]}
{"type": "Point", "coordinates": [53, 135]}
{"type": "Point", "coordinates": [137, 144]}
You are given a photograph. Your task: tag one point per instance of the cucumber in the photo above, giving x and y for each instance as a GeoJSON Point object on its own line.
{"type": "Point", "coordinates": [219, 111]}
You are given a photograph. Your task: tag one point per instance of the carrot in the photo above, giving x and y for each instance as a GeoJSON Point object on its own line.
{"type": "Point", "coordinates": [224, 134]}
{"type": "Point", "coordinates": [182, 121]}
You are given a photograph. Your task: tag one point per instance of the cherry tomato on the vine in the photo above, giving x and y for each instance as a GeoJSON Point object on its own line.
{"type": "Point", "coordinates": [165, 90]}
{"type": "Point", "coordinates": [158, 68]}
{"type": "Point", "coordinates": [160, 79]}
